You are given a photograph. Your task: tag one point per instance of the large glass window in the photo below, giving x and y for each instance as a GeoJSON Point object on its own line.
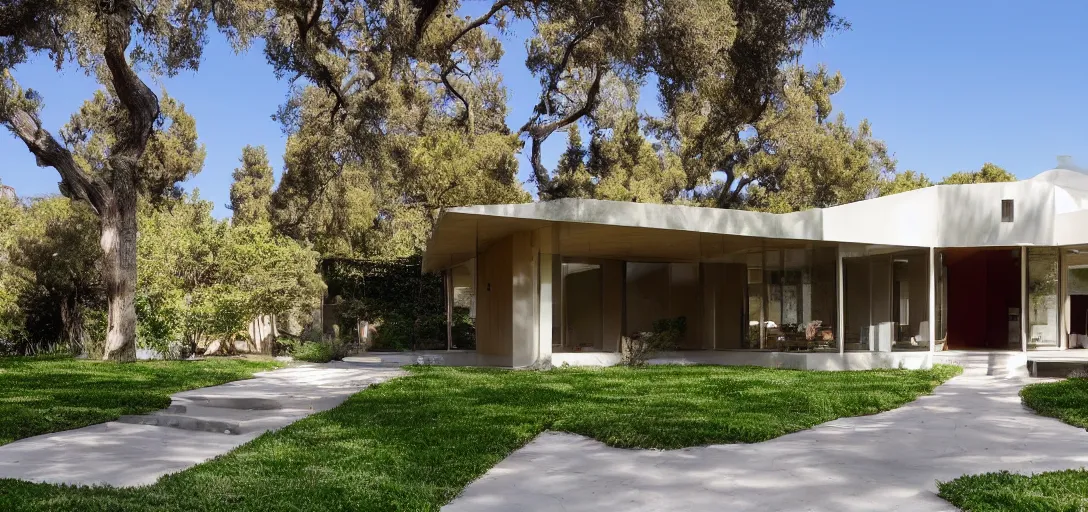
{"type": "Point", "coordinates": [582, 311]}
{"type": "Point", "coordinates": [756, 324]}
{"type": "Point", "coordinates": [910, 300]}
{"type": "Point", "coordinates": [791, 297]}
{"type": "Point", "coordinates": [856, 302]}
{"type": "Point", "coordinates": [886, 300]}
{"type": "Point", "coordinates": [1076, 286]}
{"type": "Point", "coordinates": [659, 291]}
{"type": "Point", "coordinates": [1042, 297]}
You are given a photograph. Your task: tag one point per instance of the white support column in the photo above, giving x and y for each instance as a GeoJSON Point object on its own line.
{"type": "Point", "coordinates": [1063, 302]}
{"type": "Point", "coordinates": [933, 271]}
{"type": "Point", "coordinates": [544, 339]}
{"type": "Point", "coordinates": [840, 292]}
{"type": "Point", "coordinates": [1023, 299]}
{"type": "Point", "coordinates": [447, 278]}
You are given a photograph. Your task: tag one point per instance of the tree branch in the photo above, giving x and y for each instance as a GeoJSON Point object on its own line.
{"type": "Point", "coordinates": [470, 118]}
{"type": "Point", "coordinates": [539, 133]}
{"type": "Point", "coordinates": [135, 96]}
{"type": "Point", "coordinates": [474, 24]}
{"type": "Point", "coordinates": [76, 183]}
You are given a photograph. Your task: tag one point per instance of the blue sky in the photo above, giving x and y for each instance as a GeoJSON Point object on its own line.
{"type": "Point", "coordinates": [948, 86]}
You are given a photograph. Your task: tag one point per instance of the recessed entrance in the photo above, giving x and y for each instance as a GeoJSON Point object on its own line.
{"type": "Point", "coordinates": [983, 298]}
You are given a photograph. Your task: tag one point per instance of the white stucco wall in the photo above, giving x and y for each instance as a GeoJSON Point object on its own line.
{"type": "Point", "coordinates": [907, 219]}
{"type": "Point", "coordinates": [971, 214]}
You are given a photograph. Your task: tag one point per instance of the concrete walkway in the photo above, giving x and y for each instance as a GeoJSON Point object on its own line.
{"type": "Point", "coordinates": [199, 425]}
{"type": "Point", "coordinates": [888, 461]}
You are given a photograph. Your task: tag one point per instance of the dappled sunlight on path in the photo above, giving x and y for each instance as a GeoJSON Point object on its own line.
{"type": "Point", "coordinates": [887, 461]}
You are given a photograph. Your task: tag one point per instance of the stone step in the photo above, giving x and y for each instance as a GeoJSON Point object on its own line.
{"type": "Point", "coordinates": [1000, 364]}
{"type": "Point", "coordinates": [240, 403]}
{"type": "Point", "coordinates": [183, 423]}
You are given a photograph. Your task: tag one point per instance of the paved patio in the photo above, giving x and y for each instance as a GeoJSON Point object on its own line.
{"type": "Point", "coordinates": [888, 461]}
{"type": "Point", "coordinates": [199, 425]}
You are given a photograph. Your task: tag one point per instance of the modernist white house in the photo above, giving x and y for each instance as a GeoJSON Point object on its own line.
{"type": "Point", "coordinates": [890, 281]}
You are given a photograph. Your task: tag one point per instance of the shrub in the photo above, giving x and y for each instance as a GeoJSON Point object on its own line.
{"type": "Point", "coordinates": [640, 347]}
{"type": "Point", "coordinates": [320, 351]}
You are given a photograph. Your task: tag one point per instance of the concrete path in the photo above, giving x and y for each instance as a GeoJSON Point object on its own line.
{"type": "Point", "coordinates": [888, 461]}
{"type": "Point", "coordinates": [199, 425]}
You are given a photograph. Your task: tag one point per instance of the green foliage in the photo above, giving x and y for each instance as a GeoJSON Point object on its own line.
{"type": "Point", "coordinates": [318, 351]}
{"type": "Point", "coordinates": [989, 173]}
{"type": "Point", "coordinates": [173, 154]}
{"type": "Point", "coordinates": [42, 395]}
{"type": "Point", "coordinates": [1066, 400]}
{"type": "Point", "coordinates": [49, 279]}
{"type": "Point", "coordinates": [1010, 492]}
{"type": "Point", "coordinates": [251, 192]}
{"type": "Point", "coordinates": [380, 200]}
{"type": "Point", "coordinates": [407, 305]}
{"type": "Point", "coordinates": [904, 182]}
{"type": "Point", "coordinates": [212, 277]}
{"type": "Point", "coordinates": [415, 442]}
{"type": "Point", "coordinates": [643, 346]}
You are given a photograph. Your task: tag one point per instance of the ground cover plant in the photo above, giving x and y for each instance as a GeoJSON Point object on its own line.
{"type": "Point", "coordinates": [1066, 400]}
{"type": "Point", "coordinates": [415, 442]}
{"type": "Point", "coordinates": [43, 395]}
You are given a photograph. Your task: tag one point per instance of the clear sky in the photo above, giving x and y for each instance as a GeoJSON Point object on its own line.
{"type": "Point", "coordinates": [948, 86]}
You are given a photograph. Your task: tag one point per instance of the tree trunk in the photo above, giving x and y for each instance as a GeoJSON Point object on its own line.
{"type": "Point", "coordinates": [119, 275]}
{"type": "Point", "coordinates": [72, 318]}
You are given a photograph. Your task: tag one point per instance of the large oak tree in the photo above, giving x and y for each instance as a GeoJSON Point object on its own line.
{"type": "Point", "coordinates": [112, 40]}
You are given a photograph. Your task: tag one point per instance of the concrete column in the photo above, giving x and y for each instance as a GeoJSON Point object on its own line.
{"type": "Point", "coordinates": [447, 278]}
{"type": "Point", "coordinates": [1023, 299]}
{"type": "Point", "coordinates": [524, 300]}
{"type": "Point", "coordinates": [840, 303]}
{"type": "Point", "coordinates": [546, 302]}
{"type": "Point", "coordinates": [932, 330]}
{"type": "Point", "coordinates": [1063, 304]}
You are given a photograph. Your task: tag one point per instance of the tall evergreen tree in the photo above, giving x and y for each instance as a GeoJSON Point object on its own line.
{"type": "Point", "coordinates": [251, 192]}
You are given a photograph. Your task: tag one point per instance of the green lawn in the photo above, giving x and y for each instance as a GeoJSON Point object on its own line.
{"type": "Point", "coordinates": [39, 396]}
{"type": "Point", "coordinates": [415, 442]}
{"type": "Point", "coordinates": [1066, 400]}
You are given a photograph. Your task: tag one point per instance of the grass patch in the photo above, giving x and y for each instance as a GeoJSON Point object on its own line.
{"type": "Point", "coordinates": [43, 395]}
{"type": "Point", "coordinates": [1010, 492]}
{"type": "Point", "coordinates": [1066, 400]}
{"type": "Point", "coordinates": [415, 442]}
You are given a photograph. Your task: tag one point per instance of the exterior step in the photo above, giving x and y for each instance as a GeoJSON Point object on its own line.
{"type": "Point", "coordinates": [996, 363]}
{"type": "Point", "coordinates": [183, 423]}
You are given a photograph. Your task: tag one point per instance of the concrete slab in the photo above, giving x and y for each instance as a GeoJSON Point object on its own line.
{"type": "Point", "coordinates": [888, 461]}
{"type": "Point", "coordinates": [126, 454]}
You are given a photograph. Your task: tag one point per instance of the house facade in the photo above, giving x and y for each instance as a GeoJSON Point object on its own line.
{"type": "Point", "coordinates": [886, 282]}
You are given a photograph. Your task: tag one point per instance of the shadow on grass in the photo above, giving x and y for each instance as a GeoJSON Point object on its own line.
{"type": "Point", "coordinates": [40, 396]}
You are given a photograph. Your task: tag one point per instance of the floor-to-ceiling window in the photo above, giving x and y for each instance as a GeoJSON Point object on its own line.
{"type": "Point", "coordinates": [665, 291]}
{"type": "Point", "coordinates": [582, 306]}
{"type": "Point", "coordinates": [754, 291]}
{"type": "Point", "coordinates": [789, 299]}
{"type": "Point", "coordinates": [886, 299]}
{"type": "Point", "coordinates": [1075, 279]}
{"type": "Point", "coordinates": [1042, 297]}
{"type": "Point", "coordinates": [910, 299]}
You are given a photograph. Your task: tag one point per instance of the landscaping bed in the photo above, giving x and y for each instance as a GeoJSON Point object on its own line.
{"type": "Point", "coordinates": [415, 442]}
{"type": "Point", "coordinates": [43, 395]}
{"type": "Point", "coordinates": [1066, 400]}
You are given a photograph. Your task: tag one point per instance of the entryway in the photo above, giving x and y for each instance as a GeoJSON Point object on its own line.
{"type": "Point", "coordinates": [983, 298]}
